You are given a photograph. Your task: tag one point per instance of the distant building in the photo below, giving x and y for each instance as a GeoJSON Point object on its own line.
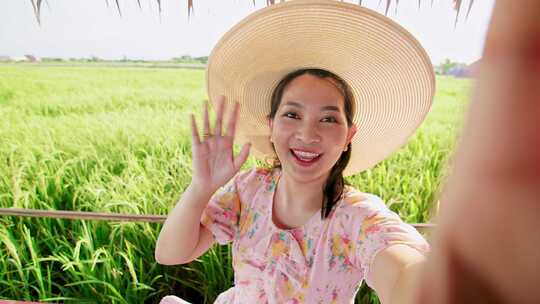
{"type": "Point", "coordinates": [468, 71]}
{"type": "Point", "coordinates": [18, 58]}
{"type": "Point", "coordinates": [458, 71]}
{"type": "Point", "coordinates": [32, 58]}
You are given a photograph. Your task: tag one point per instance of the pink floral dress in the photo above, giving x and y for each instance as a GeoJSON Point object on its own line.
{"type": "Point", "coordinates": [324, 261]}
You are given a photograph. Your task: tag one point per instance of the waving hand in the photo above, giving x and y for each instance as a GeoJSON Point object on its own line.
{"type": "Point", "coordinates": [213, 161]}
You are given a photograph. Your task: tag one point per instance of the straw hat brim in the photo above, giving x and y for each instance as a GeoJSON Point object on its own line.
{"type": "Point", "coordinates": [389, 72]}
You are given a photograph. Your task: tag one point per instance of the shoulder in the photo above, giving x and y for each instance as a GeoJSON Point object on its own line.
{"type": "Point", "coordinates": [244, 185]}
{"type": "Point", "coordinates": [254, 177]}
{"type": "Point", "coordinates": [253, 174]}
{"type": "Point", "coordinates": [358, 204]}
{"type": "Point", "coordinates": [356, 199]}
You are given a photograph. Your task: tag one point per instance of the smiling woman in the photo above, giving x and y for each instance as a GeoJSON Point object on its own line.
{"type": "Point", "coordinates": [298, 233]}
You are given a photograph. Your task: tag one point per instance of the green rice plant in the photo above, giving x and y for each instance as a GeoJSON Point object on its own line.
{"type": "Point", "coordinates": [213, 270]}
{"type": "Point", "coordinates": [16, 276]}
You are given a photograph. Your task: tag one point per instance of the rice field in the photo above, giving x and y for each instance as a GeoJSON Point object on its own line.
{"type": "Point", "coordinates": [115, 139]}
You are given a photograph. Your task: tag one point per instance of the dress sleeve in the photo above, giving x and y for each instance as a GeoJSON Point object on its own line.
{"type": "Point", "coordinates": [379, 229]}
{"type": "Point", "coordinates": [222, 213]}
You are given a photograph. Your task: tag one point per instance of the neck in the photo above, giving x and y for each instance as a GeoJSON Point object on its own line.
{"type": "Point", "coordinates": [298, 196]}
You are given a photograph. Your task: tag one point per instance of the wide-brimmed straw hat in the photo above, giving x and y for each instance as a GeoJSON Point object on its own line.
{"type": "Point", "coordinates": [389, 72]}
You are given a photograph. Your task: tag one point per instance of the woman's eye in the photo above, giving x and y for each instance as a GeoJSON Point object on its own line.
{"type": "Point", "coordinates": [290, 115]}
{"type": "Point", "coordinates": [329, 119]}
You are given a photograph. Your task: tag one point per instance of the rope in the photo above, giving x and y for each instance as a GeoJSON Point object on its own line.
{"type": "Point", "coordinates": [82, 215]}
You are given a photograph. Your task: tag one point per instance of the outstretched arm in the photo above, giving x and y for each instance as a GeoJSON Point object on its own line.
{"type": "Point", "coordinates": [394, 272]}
{"type": "Point", "coordinates": [485, 249]}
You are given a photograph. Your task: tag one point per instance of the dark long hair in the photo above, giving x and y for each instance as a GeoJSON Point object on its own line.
{"type": "Point", "coordinates": [333, 188]}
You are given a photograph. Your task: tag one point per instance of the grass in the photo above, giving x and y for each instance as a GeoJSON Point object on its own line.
{"type": "Point", "coordinates": [117, 140]}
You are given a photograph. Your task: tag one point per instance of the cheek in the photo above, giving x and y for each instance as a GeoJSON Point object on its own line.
{"type": "Point", "coordinates": [335, 135]}
{"type": "Point", "coordinates": [281, 140]}
{"type": "Point", "coordinates": [282, 130]}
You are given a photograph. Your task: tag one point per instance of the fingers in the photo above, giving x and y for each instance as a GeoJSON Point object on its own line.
{"type": "Point", "coordinates": [231, 126]}
{"type": "Point", "coordinates": [194, 133]}
{"type": "Point", "coordinates": [206, 130]}
{"type": "Point", "coordinates": [240, 159]}
{"type": "Point", "coordinates": [219, 117]}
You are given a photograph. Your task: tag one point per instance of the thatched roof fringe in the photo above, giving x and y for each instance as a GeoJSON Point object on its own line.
{"type": "Point", "coordinates": [36, 4]}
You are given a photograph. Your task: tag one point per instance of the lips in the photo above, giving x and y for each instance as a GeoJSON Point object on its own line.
{"type": "Point", "coordinates": [305, 154]}
{"type": "Point", "coordinates": [305, 157]}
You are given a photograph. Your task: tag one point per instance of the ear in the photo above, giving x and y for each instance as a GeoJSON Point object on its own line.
{"type": "Point", "coordinates": [351, 133]}
{"type": "Point", "coordinates": [270, 122]}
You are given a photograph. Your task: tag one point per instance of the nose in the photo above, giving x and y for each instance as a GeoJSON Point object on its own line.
{"type": "Point", "coordinates": [308, 133]}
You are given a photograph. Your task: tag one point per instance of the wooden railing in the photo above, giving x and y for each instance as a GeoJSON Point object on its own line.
{"type": "Point", "coordinates": [82, 215]}
{"type": "Point", "coordinates": [100, 216]}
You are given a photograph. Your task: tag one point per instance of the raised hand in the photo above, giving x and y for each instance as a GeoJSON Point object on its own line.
{"type": "Point", "coordinates": [213, 161]}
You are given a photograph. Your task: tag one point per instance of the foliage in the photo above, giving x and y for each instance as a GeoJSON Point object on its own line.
{"type": "Point", "coordinates": [446, 67]}
{"type": "Point", "coordinates": [190, 59]}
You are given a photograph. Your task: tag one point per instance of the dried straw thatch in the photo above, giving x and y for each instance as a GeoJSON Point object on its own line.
{"type": "Point", "coordinates": [36, 4]}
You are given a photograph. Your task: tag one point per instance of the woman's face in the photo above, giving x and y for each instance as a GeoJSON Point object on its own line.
{"type": "Point", "coordinates": [309, 130]}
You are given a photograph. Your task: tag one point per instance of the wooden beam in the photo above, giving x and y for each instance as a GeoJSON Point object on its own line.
{"type": "Point", "coordinates": [82, 215]}
{"type": "Point", "coordinates": [101, 216]}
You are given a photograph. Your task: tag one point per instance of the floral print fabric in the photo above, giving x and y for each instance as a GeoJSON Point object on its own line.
{"type": "Point", "coordinates": [323, 261]}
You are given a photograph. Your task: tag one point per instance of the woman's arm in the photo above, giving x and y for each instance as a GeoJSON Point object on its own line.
{"type": "Point", "coordinates": [485, 249]}
{"type": "Point", "coordinates": [182, 237]}
{"type": "Point", "coordinates": [394, 273]}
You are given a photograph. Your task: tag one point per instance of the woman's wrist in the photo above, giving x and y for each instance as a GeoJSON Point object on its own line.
{"type": "Point", "coordinates": [198, 192]}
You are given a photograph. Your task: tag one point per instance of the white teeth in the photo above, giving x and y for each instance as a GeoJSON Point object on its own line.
{"type": "Point", "coordinates": [305, 155]}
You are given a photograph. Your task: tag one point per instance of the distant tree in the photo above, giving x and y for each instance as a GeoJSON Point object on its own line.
{"type": "Point", "coordinates": [457, 69]}
{"type": "Point", "coordinates": [189, 59]}
{"type": "Point", "coordinates": [203, 59]}
{"type": "Point", "coordinates": [448, 66]}
{"type": "Point", "coordinates": [94, 59]}
{"type": "Point", "coordinates": [52, 59]}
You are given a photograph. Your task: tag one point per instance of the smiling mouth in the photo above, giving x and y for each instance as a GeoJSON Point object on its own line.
{"type": "Point", "coordinates": [305, 158]}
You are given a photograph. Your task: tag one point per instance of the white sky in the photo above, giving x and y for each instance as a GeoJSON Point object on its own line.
{"type": "Point", "coordinates": [83, 28]}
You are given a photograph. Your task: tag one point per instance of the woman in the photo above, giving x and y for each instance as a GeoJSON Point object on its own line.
{"type": "Point", "coordinates": [321, 98]}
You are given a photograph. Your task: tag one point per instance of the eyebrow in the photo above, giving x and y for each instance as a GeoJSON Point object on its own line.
{"type": "Point", "coordinates": [324, 108]}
